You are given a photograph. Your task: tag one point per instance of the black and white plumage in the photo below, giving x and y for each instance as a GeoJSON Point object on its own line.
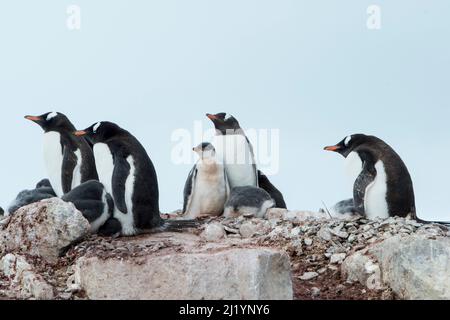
{"type": "Point", "coordinates": [69, 159]}
{"type": "Point", "coordinates": [248, 201]}
{"type": "Point", "coordinates": [94, 202]}
{"type": "Point", "coordinates": [234, 150]}
{"type": "Point", "coordinates": [275, 194]}
{"type": "Point", "coordinates": [43, 190]}
{"type": "Point", "coordinates": [383, 185]}
{"type": "Point", "coordinates": [128, 174]}
{"type": "Point", "coordinates": [206, 189]}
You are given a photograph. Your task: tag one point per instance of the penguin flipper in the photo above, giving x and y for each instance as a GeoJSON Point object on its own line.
{"type": "Point", "coordinates": [120, 174]}
{"type": "Point", "coordinates": [365, 178]}
{"type": "Point", "coordinates": [188, 187]}
{"type": "Point", "coordinates": [68, 166]}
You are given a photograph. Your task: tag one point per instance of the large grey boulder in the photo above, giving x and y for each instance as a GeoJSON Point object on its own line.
{"type": "Point", "coordinates": [43, 229]}
{"type": "Point", "coordinates": [415, 267]}
{"type": "Point", "coordinates": [219, 272]}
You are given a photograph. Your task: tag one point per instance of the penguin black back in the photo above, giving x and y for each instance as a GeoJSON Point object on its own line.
{"type": "Point", "coordinates": [277, 196]}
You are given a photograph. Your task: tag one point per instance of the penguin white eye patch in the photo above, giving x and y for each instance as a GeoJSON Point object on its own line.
{"type": "Point", "coordinates": [347, 140]}
{"type": "Point", "coordinates": [97, 125]}
{"type": "Point", "coordinates": [51, 115]}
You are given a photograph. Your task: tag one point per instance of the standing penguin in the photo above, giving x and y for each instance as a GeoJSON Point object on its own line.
{"type": "Point", "coordinates": [383, 185]}
{"type": "Point", "coordinates": [206, 189]}
{"type": "Point", "coordinates": [69, 160]}
{"type": "Point", "coordinates": [235, 150]}
{"type": "Point", "coordinates": [128, 174]}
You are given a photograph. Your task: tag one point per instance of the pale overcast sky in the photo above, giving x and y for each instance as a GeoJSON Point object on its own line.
{"type": "Point", "coordinates": [311, 69]}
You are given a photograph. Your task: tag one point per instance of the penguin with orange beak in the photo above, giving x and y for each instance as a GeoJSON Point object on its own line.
{"type": "Point", "coordinates": [69, 159]}
{"type": "Point", "coordinates": [383, 187]}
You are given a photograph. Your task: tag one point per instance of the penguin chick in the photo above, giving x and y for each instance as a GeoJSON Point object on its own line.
{"type": "Point", "coordinates": [248, 201]}
{"type": "Point", "coordinates": [42, 191]}
{"type": "Point", "coordinates": [206, 189]}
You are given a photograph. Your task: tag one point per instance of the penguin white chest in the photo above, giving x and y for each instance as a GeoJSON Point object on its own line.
{"type": "Point", "coordinates": [237, 156]}
{"type": "Point", "coordinates": [105, 165]}
{"type": "Point", "coordinates": [375, 201]}
{"type": "Point", "coordinates": [353, 166]}
{"type": "Point", "coordinates": [210, 191]}
{"type": "Point", "coordinates": [53, 157]}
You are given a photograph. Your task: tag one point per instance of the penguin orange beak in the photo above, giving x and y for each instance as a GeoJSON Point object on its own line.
{"type": "Point", "coordinates": [33, 118]}
{"type": "Point", "coordinates": [212, 116]}
{"type": "Point", "coordinates": [80, 133]}
{"type": "Point", "coordinates": [332, 148]}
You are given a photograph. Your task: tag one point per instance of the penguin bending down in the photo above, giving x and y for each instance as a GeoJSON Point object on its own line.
{"type": "Point", "coordinates": [42, 191]}
{"type": "Point", "coordinates": [234, 150]}
{"type": "Point", "coordinates": [383, 185]}
{"type": "Point", "coordinates": [206, 189]}
{"type": "Point", "coordinates": [128, 174]}
{"type": "Point", "coordinates": [69, 160]}
{"type": "Point", "coordinates": [248, 201]}
{"type": "Point", "coordinates": [96, 205]}
{"type": "Point", "coordinates": [275, 194]}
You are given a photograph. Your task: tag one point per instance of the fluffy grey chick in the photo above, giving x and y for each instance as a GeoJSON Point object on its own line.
{"type": "Point", "coordinates": [248, 201]}
{"type": "Point", "coordinates": [42, 191]}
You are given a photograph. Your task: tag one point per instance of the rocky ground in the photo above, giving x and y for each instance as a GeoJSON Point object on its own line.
{"type": "Point", "coordinates": [46, 254]}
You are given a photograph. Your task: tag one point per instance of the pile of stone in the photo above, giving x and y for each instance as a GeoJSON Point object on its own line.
{"type": "Point", "coordinates": [46, 252]}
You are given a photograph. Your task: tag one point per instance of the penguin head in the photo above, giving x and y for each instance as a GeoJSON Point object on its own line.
{"type": "Point", "coordinates": [224, 123]}
{"type": "Point", "coordinates": [52, 121]}
{"type": "Point", "coordinates": [99, 132]}
{"type": "Point", "coordinates": [205, 150]}
{"type": "Point", "coordinates": [348, 144]}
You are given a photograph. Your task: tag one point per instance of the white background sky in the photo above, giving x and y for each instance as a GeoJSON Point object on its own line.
{"type": "Point", "coordinates": [309, 68]}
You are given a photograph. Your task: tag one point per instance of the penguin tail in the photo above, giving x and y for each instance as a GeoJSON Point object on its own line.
{"type": "Point", "coordinates": [178, 225]}
{"type": "Point", "coordinates": [439, 223]}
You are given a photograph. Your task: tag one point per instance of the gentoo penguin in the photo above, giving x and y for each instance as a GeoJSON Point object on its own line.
{"type": "Point", "coordinates": [96, 205]}
{"type": "Point", "coordinates": [235, 151]}
{"type": "Point", "coordinates": [206, 189]}
{"type": "Point", "coordinates": [383, 185]}
{"type": "Point", "coordinates": [248, 201]}
{"type": "Point", "coordinates": [128, 174]}
{"type": "Point", "coordinates": [69, 159]}
{"type": "Point", "coordinates": [275, 194]}
{"type": "Point", "coordinates": [43, 190]}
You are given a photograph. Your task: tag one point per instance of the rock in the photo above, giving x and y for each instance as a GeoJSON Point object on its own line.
{"type": "Point", "coordinates": [302, 216]}
{"type": "Point", "coordinates": [315, 292]}
{"type": "Point", "coordinates": [214, 232]}
{"type": "Point", "coordinates": [324, 233]}
{"type": "Point", "coordinates": [337, 258]}
{"type": "Point", "coordinates": [275, 213]}
{"type": "Point", "coordinates": [247, 230]}
{"type": "Point", "coordinates": [24, 279]}
{"type": "Point", "coordinates": [43, 229]}
{"type": "Point", "coordinates": [308, 242]}
{"type": "Point", "coordinates": [415, 267]}
{"type": "Point", "coordinates": [361, 268]}
{"type": "Point", "coordinates": [227, 274]}
{"type": "Point", "coordinates": [309, 276]}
